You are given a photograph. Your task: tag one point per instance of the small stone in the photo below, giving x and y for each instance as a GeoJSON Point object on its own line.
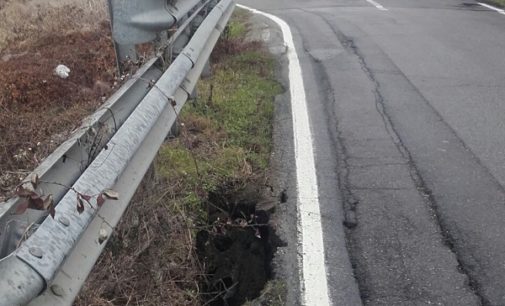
{"type": "Point", "coordinates": [62, 71]}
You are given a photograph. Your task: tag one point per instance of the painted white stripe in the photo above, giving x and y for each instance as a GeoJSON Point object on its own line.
{"type": "Point", "coordinates": [310, 235]}
{"type": "Point", "coordinates": [499, 10]}
{"type": "Point", "coordinates": [377, 5]}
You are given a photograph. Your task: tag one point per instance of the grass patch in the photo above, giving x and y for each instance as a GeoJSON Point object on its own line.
{"type": "Point", "coordinates": [272, 295]}
{"type": "Point", "coordinates": [225, 140]}
{"type": "Point", "coordinates": [237, 26]}
{"type": "Point", "coordinates": [226, 133]}
{"type": "Point", "coordinates": [500, 3]}
{"type": "Point", "coordinates": [242, 106]}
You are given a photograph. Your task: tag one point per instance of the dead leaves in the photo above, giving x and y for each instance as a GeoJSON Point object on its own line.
{"type": "Point", "coordinates": [107, 194]}
{"type": "Point", "coordinates": [31, 199]}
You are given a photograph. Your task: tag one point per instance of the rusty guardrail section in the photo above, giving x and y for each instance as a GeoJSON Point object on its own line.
{"type": "Point", "coordinates": [50, 266]}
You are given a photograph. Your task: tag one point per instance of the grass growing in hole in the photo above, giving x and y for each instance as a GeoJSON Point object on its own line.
{"type": "Point", "coordinates": [272, 295]}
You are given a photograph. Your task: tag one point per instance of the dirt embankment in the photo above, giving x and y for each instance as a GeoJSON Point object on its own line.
{"type": "Point", "coordinates": [38, 109]}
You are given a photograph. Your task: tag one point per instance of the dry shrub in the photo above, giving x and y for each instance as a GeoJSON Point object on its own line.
{"type": "Point", "coordinates": [150, 260]}
{"type": "Point", "coordinates": [38, 110]}
{"type": "Point", "coordinates": [231, 45]}
{"type": "Point", "coordinates": [23, 22]}
{"type": "Point", "coordinates": [234, 39]}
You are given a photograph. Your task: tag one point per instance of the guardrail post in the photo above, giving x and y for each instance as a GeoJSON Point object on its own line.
{"type": "Point", "coordinates": [139, 21]}
{"type": "Point", "coordinates": [134, 22]}
{"type": "Point", "coordinates": [123, 52]}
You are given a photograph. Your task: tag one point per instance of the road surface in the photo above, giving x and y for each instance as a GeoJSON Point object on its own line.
{"type": "Point", "coordinates": [406, 102]}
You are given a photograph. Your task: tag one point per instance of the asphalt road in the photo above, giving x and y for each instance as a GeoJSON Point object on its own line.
{"type": "Point", "coordinates": [407, 111]}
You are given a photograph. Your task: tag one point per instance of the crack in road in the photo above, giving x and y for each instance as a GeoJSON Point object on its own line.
{"type": "Point", "coordinates": [414, 173]}
{"type": "Point", "coordinates": [349, 199]}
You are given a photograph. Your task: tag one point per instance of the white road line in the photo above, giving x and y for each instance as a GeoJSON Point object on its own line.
{"type": "Point", "coordinates": [499, 10]}
{"type": "Point", "coordinates": [377, 5]}
{"type": "Point", "coordinates": [310, 235]}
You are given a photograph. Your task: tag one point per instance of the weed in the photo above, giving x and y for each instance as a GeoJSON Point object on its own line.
{"type": "Point", "coordinates": [242, 105]}
{"type": "Point", "coordinates": [236, 29]}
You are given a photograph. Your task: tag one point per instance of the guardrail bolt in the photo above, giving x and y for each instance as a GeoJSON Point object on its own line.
{"type": "Point", "coordinates": [36, 252]}
{"type": "Point", "coordinates": [57, 290]}
{"type": "Point", "coordinates": [64, 221]}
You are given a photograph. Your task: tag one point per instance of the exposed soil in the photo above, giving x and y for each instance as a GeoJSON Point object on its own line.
{"type": "Point", "coordinates": [237, 248]}
{"type": "Point", "coordinates": [38, 109]}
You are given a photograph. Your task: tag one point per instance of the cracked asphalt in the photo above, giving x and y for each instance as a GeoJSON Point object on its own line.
{"type": "Point", "coordinates": [407, 111]}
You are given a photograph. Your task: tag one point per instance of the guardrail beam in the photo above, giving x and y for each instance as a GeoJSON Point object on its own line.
{"type": "Point", "coordinates": [59, 255]}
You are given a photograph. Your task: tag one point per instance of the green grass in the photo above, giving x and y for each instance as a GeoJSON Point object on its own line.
{"type": "Point", "coordinates": [243, 104]}
{"type": "Point", "coordinates": [237, 26]}
{"type": "Point", "coordinates": [273, 295]}
{"type": "Point", "coordinates": [500, 3]}
{"type": "Point", "coordinates": [227, 132]}
{"type": "Point", "coordinates": [236, 29]}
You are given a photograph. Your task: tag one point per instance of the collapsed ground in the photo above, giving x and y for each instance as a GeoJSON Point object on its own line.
{"type": "Point", "coordinates": [198, 229]}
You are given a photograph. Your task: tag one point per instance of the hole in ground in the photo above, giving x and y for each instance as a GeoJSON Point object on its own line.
{"type": "Point", "coordinates": [236, 247]}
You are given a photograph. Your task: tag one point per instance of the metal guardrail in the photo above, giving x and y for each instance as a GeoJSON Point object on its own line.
{"type": "Point", "coordinates": [52, 264]}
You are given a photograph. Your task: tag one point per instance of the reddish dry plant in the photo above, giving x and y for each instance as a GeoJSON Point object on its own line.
{"type": "Point", "coordinates": [231, 46]}
{"type": "Point", "coordinates": [26, 191]}
{"type": "Point", "coordinates": [38, 110]}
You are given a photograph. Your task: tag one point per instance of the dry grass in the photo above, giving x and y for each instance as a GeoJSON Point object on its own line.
{"type": "Point", "coordinates": [150, 260]}
{"type": "Point", "coordinates": [23, 22]}
{"type": "Point", "coordinates": [38, 110]}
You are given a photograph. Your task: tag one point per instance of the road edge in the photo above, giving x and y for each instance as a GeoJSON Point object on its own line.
{"type": "Point", "coordinates": [311, 253]}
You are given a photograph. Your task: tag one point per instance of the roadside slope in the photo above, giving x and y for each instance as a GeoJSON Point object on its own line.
{"type": "Point", "coordinates": [39, 110]}
{"type": "Point", "coordinates": [205, 197]}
